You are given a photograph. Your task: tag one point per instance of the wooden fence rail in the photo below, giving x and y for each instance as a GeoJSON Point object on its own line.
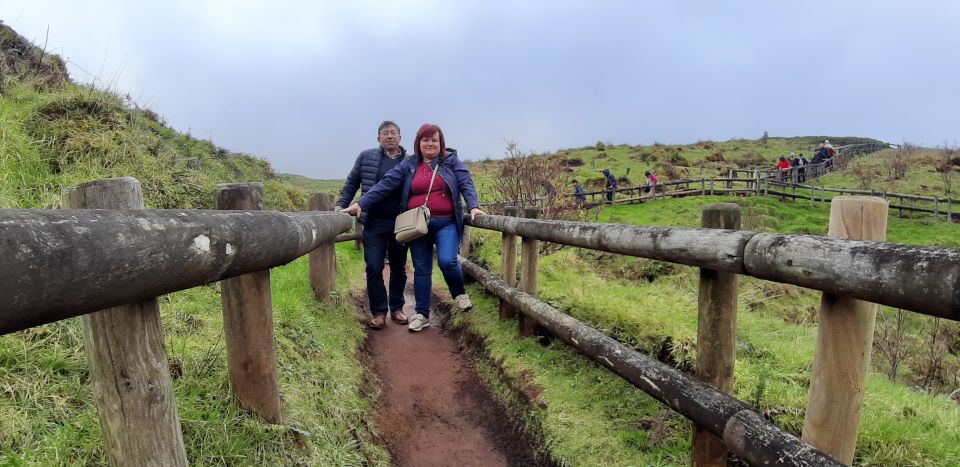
{"type": "Point", "coordinates": [853, 275]}
{"type": "Point", "coordinates": [110, 263]}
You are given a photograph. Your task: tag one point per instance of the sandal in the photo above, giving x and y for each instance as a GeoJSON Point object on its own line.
{"type": "Point", "coordinates": [398, 317]}
{"type": "Point", "coordinates": [377, 322]}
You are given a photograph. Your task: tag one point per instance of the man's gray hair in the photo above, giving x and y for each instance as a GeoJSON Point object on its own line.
{"type": "Point", "coordinates": [387, 123]}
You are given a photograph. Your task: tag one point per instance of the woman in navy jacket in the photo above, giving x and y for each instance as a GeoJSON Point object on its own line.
{"type": "Point", "coordinates": [445, 230]}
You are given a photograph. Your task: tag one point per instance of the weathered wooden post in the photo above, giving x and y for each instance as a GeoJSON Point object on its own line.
{"type": "Point", "coordinates": [844, 341]}
{"type": "Point", "coordinates": [949, 210]}
{"type": "Point", "coordinates": [358, 229]}
{"type": "Point", "coordinates": [248, 319]}
{"type": "Point", "coordinates": [716, 333]}
{"type": "Point", "coordinates": [465, 244]}
{"type": "Point", "coordinates": [529, 259]}
{"type": "Point", "coordinates": [508, 264]}
{"type": "Point", "coordinates": [128, 360]}
{"type": "Point", "coordinates": [323, 260]}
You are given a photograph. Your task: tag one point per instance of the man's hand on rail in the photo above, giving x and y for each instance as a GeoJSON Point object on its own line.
{"type": "Point", "coordinates": [353, 210]}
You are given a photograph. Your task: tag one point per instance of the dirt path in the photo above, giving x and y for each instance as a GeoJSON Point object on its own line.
{"type": "Point", "coordinates": [433, 410]}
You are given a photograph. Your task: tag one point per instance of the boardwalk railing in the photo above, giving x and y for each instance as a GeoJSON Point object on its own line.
{"type": "Point", "coordinates": [852, 274]}
{"type": "Point", "coordinates": [110, 263]}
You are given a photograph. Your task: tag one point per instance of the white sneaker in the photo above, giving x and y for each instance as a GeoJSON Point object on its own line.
{"type": "Point", "coordinates": [418, 322]}
{"type": "Point", "coordinates": [463, 302]}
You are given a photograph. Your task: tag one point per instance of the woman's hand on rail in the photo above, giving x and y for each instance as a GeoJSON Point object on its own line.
{"type": "Point", "coordinates": [353, 210]}
{"type": "Point", "coordinates": [476, 212]}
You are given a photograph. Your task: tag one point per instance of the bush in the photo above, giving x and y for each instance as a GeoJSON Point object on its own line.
{"type": "Point", "coordinates": [572, 162]}
{"type": "Point", "coordinates": [600, 146]}
{"type": "Point", "coordinates": [715, 156]}
{"type": "Point", "coordinates": [679, 160]}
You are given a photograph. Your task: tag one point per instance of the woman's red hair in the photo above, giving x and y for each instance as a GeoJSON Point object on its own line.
{"type": "Point", "coordinates": [425, 131]}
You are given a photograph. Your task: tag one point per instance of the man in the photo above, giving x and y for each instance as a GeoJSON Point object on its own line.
{"type": "Point", "coordinates": [378, 221]}
{"type": "Point", "coordinates": [579, 195]}
{"type": "Point", "coordinates": [611, 184]}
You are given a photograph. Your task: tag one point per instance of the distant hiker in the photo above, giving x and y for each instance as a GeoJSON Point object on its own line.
{"type": "Point", "coordinates": [434, 176]}
{"type": "Point", "coordinates": [820, 155]}
{"type": "Point", "coordinates": [784, 165]}
{"type": "Point", "coordinates": [651, 183]}
{"type": "Point", "coordinates": [830, 151]}
{"type": "Point", "coordinates": [378, 221]}
{"type": "Point", "coordinates": [801, 168]}
{"type": "Point", "coordinates": [611, 184]}
{"type": "Point", "coordinates": [579, 196]}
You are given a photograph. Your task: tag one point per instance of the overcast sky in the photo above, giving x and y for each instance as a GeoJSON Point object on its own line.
{"type": "Point", "coordinates": [305, 84]}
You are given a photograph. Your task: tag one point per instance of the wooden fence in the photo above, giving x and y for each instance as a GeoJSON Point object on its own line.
{"type": "Point", "coordinates": [108, 264]}
{"type": "Point", "coordinates": [851, 267]}
{"type": "Point", "coordinates": [773, 182]}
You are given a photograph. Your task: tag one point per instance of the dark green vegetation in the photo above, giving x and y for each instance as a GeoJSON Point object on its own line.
{"type": "Point", "coordinates": [312, 185]}
{"type": "Point", "coordinates": [651, 306]}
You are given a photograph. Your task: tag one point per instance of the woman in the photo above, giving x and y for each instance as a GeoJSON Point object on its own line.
{"type": "Point", "coordinates": [445, 230]}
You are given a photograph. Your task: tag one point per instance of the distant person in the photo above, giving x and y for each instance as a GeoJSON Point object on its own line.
{"type": "Point", "coordinates": [821, 155]}
{"type": "Point", "coordinates": [784, 166]}
{"type": "Point", "coordinates": [414, 181]}
{"type": "Point", "coordinates": [611, 184]}
{"type": "Point", "coordinates": [651, 183]}
{"type": "Point", "coordinates": [801, 168]}
{"type": "Point", "coordinates": [830, 150]}
{"type": "Point", "coordinates": [579, 196]}
{"type": "Point", "coordinates": [378, 220]}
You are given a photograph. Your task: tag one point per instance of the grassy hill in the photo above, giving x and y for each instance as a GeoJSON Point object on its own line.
{"type": "Point", "coordinates": [312, 185]}
{"type": "Point", "coordinates": [54, 133]}
{"type": "Point", "coordinates": [700, 159]}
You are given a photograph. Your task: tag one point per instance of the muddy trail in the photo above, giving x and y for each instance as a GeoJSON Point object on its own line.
{"type": "Point", "coordinates": [433, 409]}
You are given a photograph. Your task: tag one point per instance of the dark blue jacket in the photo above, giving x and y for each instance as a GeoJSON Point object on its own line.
{"type": "Point", "coordinates": [363, 176]}
{"type": "Point", "coordinates": [453, 172]}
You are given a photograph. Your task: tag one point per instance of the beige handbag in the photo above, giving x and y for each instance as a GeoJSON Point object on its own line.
{"type": "Point", "coordinates": [412, 223]}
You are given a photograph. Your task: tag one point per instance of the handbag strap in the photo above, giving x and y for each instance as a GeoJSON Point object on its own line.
{"type": "Point", "coordinates": [432, 178]}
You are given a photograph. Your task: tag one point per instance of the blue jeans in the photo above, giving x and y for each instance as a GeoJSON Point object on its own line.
{"type": "Point", "coordinates": [442, 232]}
{"type": "Point", "coordinates": [379, 243]}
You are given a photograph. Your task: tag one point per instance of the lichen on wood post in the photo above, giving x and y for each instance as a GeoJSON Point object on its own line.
{"type": "Point", "coordinates": [844, 340]}
{"type": "Point", "coordinates": [248, 320]}
{"type": "Point", "coordinates": [529, 260]}
{"type": "Point", "coordinates": [508, 264]}
{"type": "Point", "coordinates": [323, 260]}
{"type": "Point", "coordinates": [716, 334]}
{"type": "Point", "coordinates": [128, 361]}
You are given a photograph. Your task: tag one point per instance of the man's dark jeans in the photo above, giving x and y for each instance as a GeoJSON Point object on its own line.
{"type": "Point", "coordinates": [379, 243]}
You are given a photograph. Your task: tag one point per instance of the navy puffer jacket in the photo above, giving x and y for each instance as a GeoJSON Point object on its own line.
{"type": "Point", "coordinates": [453, 172]}
{"type": "Point", "coordinates": [363, 176]}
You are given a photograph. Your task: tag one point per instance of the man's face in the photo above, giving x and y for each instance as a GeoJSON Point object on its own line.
{"type": "Point", "coordinates": [389, 138]}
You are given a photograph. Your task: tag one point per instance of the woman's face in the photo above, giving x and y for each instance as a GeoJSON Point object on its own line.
{"type": "Point", "coordinates": [430, 146]}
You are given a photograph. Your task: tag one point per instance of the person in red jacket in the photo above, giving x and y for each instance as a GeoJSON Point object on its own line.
{"type": "Point", "coordinates": [784, 166]}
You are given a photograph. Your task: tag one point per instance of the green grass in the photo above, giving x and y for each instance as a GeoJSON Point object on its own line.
{"type": "Point", "coordinates": [314, 185]}
{"type": "Point", "coordinates": [776, 332]}
{"type": "Point", "coordinates": [47, 415]}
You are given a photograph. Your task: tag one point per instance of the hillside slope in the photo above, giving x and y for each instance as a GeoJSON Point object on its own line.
{"type": "Point", "coordinates": [55, 133]}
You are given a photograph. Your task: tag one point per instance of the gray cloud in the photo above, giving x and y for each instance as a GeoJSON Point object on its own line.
{"type": "Point", "coordinates": [304, 85]}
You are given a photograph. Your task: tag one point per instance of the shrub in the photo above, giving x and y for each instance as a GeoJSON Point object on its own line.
{"type": "Point", "coordinates": [679, 160]}
{"type": "Point", "coordinates": [600, 146]}
{"type": "Point", "coordinates": [572, 162]}
{"type": "Point", "coordinates": [715, 156]}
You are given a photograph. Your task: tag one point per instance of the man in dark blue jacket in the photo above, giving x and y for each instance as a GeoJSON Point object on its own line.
{"type": "Point", "coordinates": [378, 222]}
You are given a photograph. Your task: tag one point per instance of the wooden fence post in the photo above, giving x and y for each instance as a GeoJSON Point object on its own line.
{"type": "Point", "coordinates": [508, 264]}
{"type": "Point", "coordinates": [358, 229]}
{"type": "Point", "coordinates": [529, 258]}
{"type": "Point", "coordinates": [248, 320]}
{"type": "Point", "coordinates": [128, 361]}
{"type": "Point", "coordinates": [716, 333]}
{"type": "Point", "coordinates": [844, 341]}
{"type": "Point", "coordinates": [465, 244]}
{"type": "Point", "coordinates": [323, 260]}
